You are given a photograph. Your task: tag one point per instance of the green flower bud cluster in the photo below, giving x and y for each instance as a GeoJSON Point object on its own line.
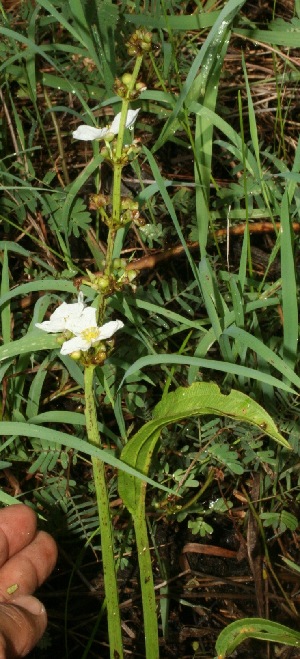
{"type": "Point", "coordinates": [123, 87]}
{"type": "Point", "coordinates": [97, 201]}
{"type": "Point", "coordinates": [116, 281]}
{"type": "Point", "coordinates": [95, 355]}
{"type": "Point", "coordinates": [129, 211]}
{"type": "Point", "coordinates": [101, 283]}
{"type": "Point", "coordinates": [129, 153]}
{"type": "Point", "coordinates": [123, 276]}
{"type": "Point", "coordinates": [139, 43]}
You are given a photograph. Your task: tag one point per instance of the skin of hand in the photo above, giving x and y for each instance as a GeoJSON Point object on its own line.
{"type": "Point", "coordinates": [27, 557]}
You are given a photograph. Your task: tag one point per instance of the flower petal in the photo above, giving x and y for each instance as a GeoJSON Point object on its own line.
{"type": "Point", "coordinates": [130, 119]}
{"type": "Point", "coordinates": [49, 326]}
{"type": "Point", "coordinates": [74, 344]}
{"type": "Point", "coordinates": [85, 320]}
{"type": "Point", "coordinates": [62, 315]}
{"type": "Point", "coordinates": [115, 125]}
{"type": "Point", "coordinates": [108, 329]}
{"type": "Point", "coordinates": [87, 133]}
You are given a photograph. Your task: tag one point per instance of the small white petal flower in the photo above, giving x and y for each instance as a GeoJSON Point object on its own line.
{"type": "Point", "coordinates": [62, 316]}
{"type": "Point", "coordinates": [86, 334]}
{"type": "Point", "coordinates": [86, 133]}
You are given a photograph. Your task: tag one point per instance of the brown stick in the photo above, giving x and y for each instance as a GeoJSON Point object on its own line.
{"type": "Point", "coordinates": [151, 260]}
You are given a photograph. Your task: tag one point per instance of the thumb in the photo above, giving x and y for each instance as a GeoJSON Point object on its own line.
{"type": "Point", "coordinates": [22, 624]}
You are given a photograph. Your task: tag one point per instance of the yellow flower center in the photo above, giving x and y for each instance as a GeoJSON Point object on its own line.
{"type": "Point", "coordinates": [90, 334]}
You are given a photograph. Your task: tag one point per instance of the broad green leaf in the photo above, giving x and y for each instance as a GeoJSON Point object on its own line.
{"type": "Point", "coordinates": [264, 630]}
{"type": "Point", "coordinates": [7, 499]}
{"type": "Point", "coordinates": [199, 398]}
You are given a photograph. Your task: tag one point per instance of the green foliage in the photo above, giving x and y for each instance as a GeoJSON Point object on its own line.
{"type": "Point", "coordinates": [280, 521]}
{"type": "Point", "coordinates": [264, 630]}
{"type": "Point", "coordinates": [200, 398]}
{"type": "Point", "coordinates": [200, 527]}
{"type": "Point", "coordinates": [218, 149]}
{"type": "Point", "coordinates": [80, 216]}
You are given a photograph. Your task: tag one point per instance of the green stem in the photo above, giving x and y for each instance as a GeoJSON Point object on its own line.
{"type": "Point", "coordinates": [109, 249]}
{"type": "Point", "coordinates": [107, 542]}
{"type": "Point", "coordinates": [147, 587]}
{"type": "Point", "coordinates": [118, 164]}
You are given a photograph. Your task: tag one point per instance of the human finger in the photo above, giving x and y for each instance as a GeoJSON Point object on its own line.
{"type": "Point", "coordinates": [24, 572]}
{"type": "Point", "coordinates": [22, 624]}
{"type": "Point", "coordinates": [17, 529]}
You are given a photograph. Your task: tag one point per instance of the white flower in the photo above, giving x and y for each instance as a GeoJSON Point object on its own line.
{"type": "Point", "coordinates": [62, 316]}
{"type": "Point", "coordinates": [87, 333]}
{"type": "Point", "coordinates": [80, 321]}
{"type": "Point", "coordinates": [87, 133]}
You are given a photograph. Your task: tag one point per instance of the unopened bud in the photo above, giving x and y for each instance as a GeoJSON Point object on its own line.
{"type": "Point", "coordinates": [75, 355]}
{"type": "Point", "coordinates": [103, 283]}
{"type": "Point", "coordinates": [120, 88]}
{"type": "Point", "coordinates": [127, 79]}
{"type": "Point", "coordinates": [97, 201]}
{"type": "Point", "coordinates": [139, 42]}
{"type": "Point", "coordinates": [119, 264]}
{"type": "Point", "coordinates": [100, 357]}
{"type": "Point", "coordinates": [140, 86]}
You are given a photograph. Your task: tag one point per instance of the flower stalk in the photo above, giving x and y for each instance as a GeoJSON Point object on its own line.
{"type": "Point", "coordinates": [147, 586]}
{"type": "Point", "coordinates": [118, 162]}
{"type": "Point", "coordinates": [91, 340]}
{"type": "Point", "coordinates": [107, 541]}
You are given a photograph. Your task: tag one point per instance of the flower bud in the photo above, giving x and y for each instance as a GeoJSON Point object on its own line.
{"type": "Point", "coordinates": [105, 152]}
{"type": "Point", "coordinates": [127, 79]}
{"type": "Point", "coordinates": [97, 201]}
{"type": "Point", "coordinates": [109, 137]}
{"type": "Point", "coordinates": [139, 43]}
{"type": "Point", "coordinates": [103, 283]}
{"type": "Point", "coordinates": [100, 357]}
{"type": "Point", "coordinates": [75, 355]}
{"type": "Point", "coordinates": [139, 220]}
{"type": "Point", "coordinates": [120, 89]}
{"type": "Point", "coordinates": [119, 264]}
{"type": "Point", "coordinates": [140, 86]}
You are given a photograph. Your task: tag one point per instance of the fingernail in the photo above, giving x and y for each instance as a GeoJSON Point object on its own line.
{"type": "Point", "coordinates": [31, 604]}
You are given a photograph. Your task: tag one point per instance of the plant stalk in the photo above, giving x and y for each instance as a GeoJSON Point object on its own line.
{"type": "Point", "coordinates": [147, 587]}
{"type": "Point", "coordinates": [107, 542]}
{"type": "Point", "coordinates": [118, 163]}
